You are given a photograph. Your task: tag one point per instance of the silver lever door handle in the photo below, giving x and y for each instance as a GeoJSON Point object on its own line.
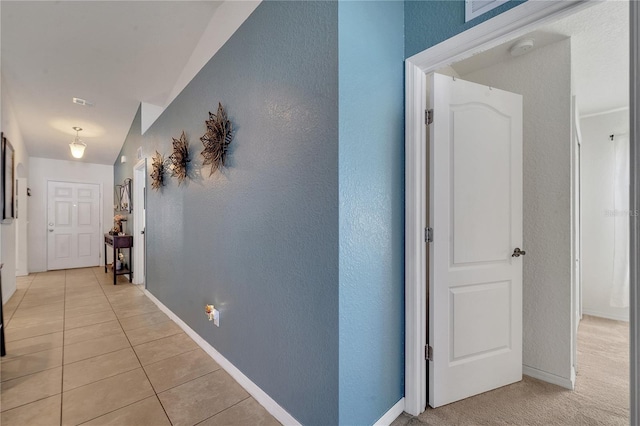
{"type": "Point", "coordinates": [517, 252]}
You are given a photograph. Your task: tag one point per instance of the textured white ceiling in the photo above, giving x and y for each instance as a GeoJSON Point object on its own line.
{"type": "Point", "coordinates": [115, 54]}
{"type": "Point", "coordinates": [599, 54]}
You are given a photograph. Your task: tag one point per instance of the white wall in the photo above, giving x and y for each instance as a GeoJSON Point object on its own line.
{"type": "Point", "coordinates": [598, 163]}
{"type": "Point", "coordinates": [543, 77]}
{"type": "Point", "coordinates": [42, 170]}
{"type": "Point", "coordinates": [8, 230]}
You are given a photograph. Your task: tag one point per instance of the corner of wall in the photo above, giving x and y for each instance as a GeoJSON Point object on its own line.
{"type": "Point", "coordinates": [371, 194]}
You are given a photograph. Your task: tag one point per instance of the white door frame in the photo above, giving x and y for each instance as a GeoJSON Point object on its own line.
{"type": "Point", "coordinates": [138, 211]}
{"type": "Point", "coordinates": [634, 205]}
{"type": "Point", "coordinates": [576, 235]}
{"type": "Point", "coordinates": [511, 24]}
{"type": "Point", "coordinates": [22, 267]}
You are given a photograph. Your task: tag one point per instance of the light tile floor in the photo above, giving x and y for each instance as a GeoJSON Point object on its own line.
{"type": "Point", "coordinates": [83, 351]}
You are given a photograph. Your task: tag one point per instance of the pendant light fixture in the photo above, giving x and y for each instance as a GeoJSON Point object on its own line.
{"type": "Point", "coordinates": [77, 146]}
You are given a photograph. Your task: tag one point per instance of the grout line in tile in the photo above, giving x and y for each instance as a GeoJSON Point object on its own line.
{"type": "Point", "coordinates": [173, 356]}
{"type": "Point", "coordinates": [162, 405]}
{"type": "Point", "coordinates": [17, 306]}
{"type": "Point", "coordinates": [95, 356]}
{"type": "Point", "coordinates": [124, 406]}
{"type": "Point", "coordinates": [31, 353]}
{"type": "Point", "coordinates": [31, 402]}
{"type": "Point", "coordinates": [221, 411]}
{"type": "Point", "coordinates": [89, 325]}
{"type": "Point", "coordinates": [29, 374]}
{"type": "Point", "coordinates": [180, 384]}
{"type": "Point", "coordinates": [96, 381]}
{"type": "Point", "coordinates": [64, 319]}
{"type": "Point", "coordinates": [36, 335]}
{"type": "Point", "coordinates": [143, 370]}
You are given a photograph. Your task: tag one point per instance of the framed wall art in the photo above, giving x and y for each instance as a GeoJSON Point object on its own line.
{"type": "Point", "coordinates": [7, 157]}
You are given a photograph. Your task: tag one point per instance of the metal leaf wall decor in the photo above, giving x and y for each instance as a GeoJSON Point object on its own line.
{"type": "Point", "coordinates": [217, 139]}
{"type": "Point", "coordinates": [157, 173]}
{"type": "Point", "coordinates": [179, 158]}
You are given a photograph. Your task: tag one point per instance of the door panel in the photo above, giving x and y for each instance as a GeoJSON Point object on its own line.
{"type": "Point", "coordinates": [62, 246]}
{"type": "Point", "coordinates": [85, 245]}
{"type": "Point", "coordinates": [63, 213]}
{"type": "Point", "coordinates": [480, 320]}
{"type": "Point", "coordinates": [479, 141]}
{"type": "Point", "coordinates": [475, 210]}
{"type": "Point", "coordinates": [73, 225]}
{"type": "Point", "coordinates": [84, 214]}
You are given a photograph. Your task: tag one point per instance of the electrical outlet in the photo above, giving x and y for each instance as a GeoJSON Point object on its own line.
{"type": "Point", "coordinates": [216, 318]}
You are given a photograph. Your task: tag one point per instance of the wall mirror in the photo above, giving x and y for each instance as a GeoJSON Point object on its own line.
{"type": "Point", "coordinates": [7, 157]}
{"type": "Point", "coordinates": [122, 197]}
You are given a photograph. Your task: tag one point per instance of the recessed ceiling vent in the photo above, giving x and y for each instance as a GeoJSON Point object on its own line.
{"type": "Point", "coordinates": [82, 102]}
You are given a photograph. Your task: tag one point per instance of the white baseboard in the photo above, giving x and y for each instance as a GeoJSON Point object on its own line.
{"type": "Point", "coordinates": [392, 414]}
{"type": "Point", "coordinates": [593, 313]}
{"type": "Point", "coordinates": [548, 377]}
{"type": "Point", "coordinates": [254, 390]}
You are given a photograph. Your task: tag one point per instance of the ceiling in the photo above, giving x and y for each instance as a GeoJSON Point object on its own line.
{"type": "Point", "coordinates": [114, 54]}
{"type": "Point", "coordinates": [599, 54]}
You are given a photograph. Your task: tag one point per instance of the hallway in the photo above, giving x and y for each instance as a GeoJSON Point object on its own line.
{"type": "Point", "coordinates": [83, 351]}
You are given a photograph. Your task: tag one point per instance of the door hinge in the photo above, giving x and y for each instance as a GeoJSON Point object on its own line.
{"type": "Point", "coordinates": [428, 116]}
{"type": "Point", "coordinates": [428, 235]}
{"type": "Point", "coordinates": [428, 353]}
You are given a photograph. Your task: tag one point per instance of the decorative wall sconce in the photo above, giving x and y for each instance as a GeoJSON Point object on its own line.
{"type": "Point", "coordinates": [157, 171]}
{"type": "Point", "coordinates": [217, 139]}
{"type": "Point", "coordinates": [179, 158]}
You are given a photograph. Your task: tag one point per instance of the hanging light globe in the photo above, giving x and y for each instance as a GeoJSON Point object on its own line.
{"type": "Point", "coordinates": [77, 146]}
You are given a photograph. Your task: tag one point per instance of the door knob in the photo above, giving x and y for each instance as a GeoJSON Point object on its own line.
{"type": "Point", "coordinates": [517, 252]}
{"type": "Point", "coordinates": [50, 230]}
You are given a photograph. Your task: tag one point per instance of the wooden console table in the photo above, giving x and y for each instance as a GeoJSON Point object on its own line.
{"type": "Point", "coordinates": [118, 242]}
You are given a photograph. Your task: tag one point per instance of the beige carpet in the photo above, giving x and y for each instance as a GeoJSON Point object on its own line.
{"type": "Point", "coordinates": [601, 396]}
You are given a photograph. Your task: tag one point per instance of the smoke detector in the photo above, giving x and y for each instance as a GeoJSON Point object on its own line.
{"type": "Point", "coordinates": [521, 47]}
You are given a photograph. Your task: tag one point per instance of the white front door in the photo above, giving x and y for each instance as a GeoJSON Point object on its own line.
{"type": "Point", "coordinates": [475, 210]}
{"type": "Point", "coordinates": [73, 225]}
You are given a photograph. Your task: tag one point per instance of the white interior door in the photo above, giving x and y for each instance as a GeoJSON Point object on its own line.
{"type": "Point", "coordinates": [73, 225]}
{"type": "Point", "coordinates": [475, 210]}
{"type": "Point", "coordinates": [139, 217]}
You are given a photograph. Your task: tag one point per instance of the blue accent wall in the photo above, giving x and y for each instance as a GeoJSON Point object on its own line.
{"type": "Point", "coordinates": [259, 240]}
{"type": "Point", "coordinates": [429, 22]}
{"type": "Point", "coordinates": [371, 158]}
{"type": "Point", "coordinates": [299, 241]}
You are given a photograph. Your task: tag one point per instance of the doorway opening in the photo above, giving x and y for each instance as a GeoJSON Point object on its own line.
{"type": "Point", "coordinates": [552, 214]}
{"type": "Point", "coordinates": [139, 221]}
